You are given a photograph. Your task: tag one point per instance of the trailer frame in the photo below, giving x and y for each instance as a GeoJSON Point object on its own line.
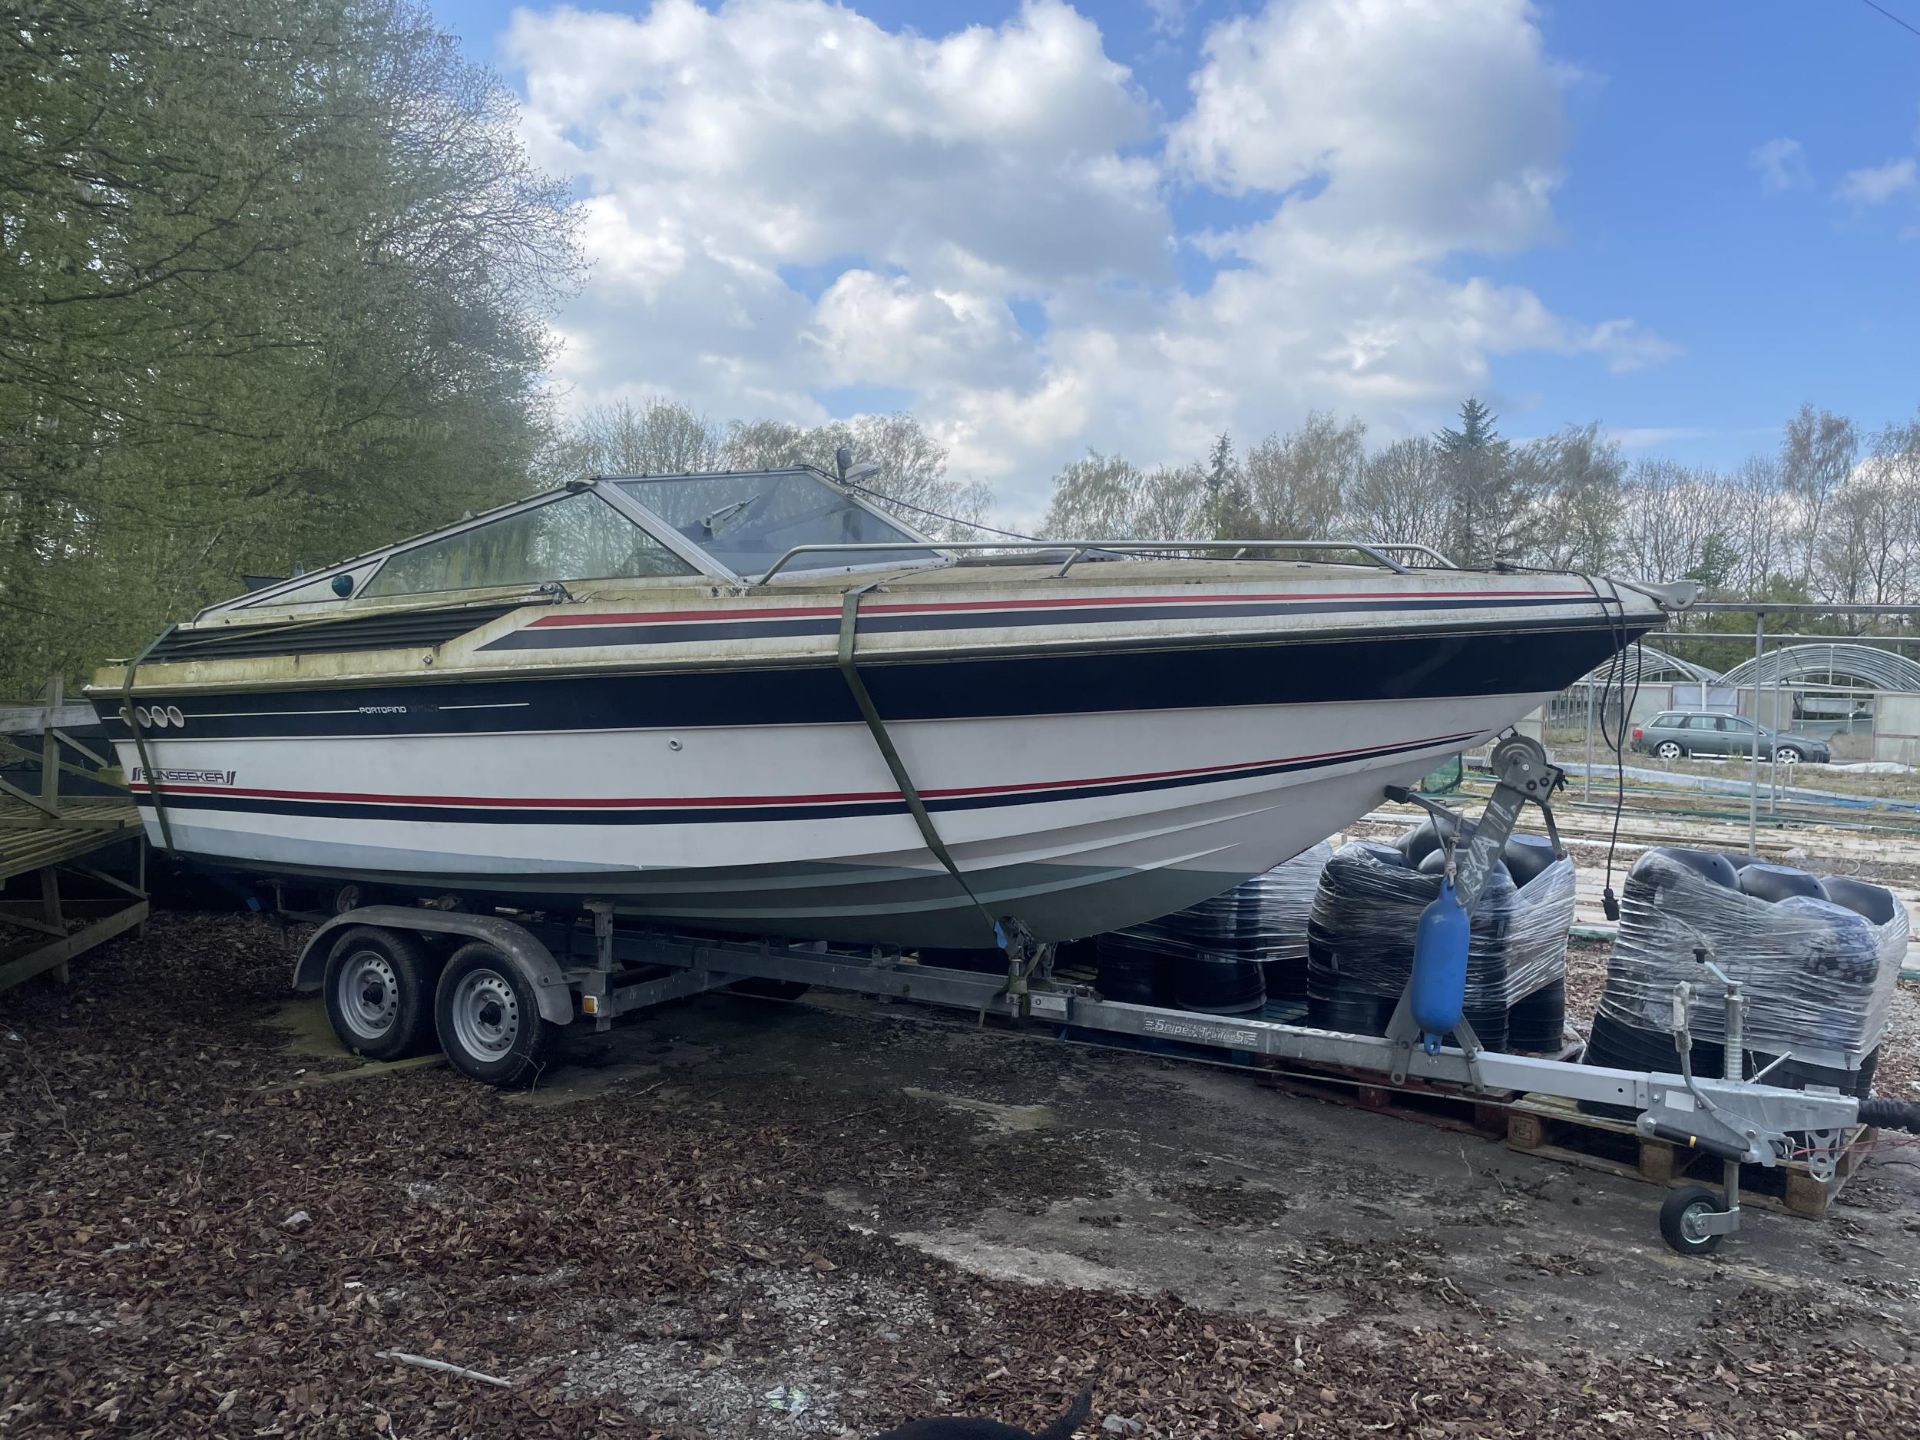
{"type": "Point", "coordinates": [589, 969]}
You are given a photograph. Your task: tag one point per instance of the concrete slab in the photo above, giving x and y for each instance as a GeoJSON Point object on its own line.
{"type": "Point", "coordinates": [1234, 1195]}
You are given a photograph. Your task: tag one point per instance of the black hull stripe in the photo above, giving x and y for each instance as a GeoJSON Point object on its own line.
{"type": "Point", "coordinates": [722, 815]}
{"type": "Point", "coordinates": [1504, 658]}
{"type": "Point", "coordinates": [581, 636]}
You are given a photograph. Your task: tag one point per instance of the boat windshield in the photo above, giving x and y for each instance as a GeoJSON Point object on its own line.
{"type": "Point", "coordinates": [747, 522]}
{"type": "Point", "coordinates": [576, 537]}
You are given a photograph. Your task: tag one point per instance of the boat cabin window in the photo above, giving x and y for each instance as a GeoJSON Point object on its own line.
{"type": "Point", "coordinates": [579, 537]}
{"type": "Point", "coordinates": [747, 522]}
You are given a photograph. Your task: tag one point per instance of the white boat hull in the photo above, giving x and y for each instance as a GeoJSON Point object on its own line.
{"type": "Point", "coordinates": [1094, 750]}
{"type": "Point", "coordinates": [808, 835]}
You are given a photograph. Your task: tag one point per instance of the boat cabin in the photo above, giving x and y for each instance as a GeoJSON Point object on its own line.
{"type": "Point", "coordinates": [731, 527]}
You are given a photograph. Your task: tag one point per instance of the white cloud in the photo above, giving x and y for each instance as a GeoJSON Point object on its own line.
{"type": "Point", "coordinates": [874, 328]}
{"type": "Point", "coordinates": [1434, 125]}
{"type": "Point", "coordinates": [1624, 345]}
{"type": "Point", "coordinates": [787, 199]}
{"type": "Point", "coordinates": [1878, 184]}
{"type": "Point", "coordinates": [1781, 163]}
{"type": "Point", "coordinates": [797, 131]}
{"type": "Point", "coordinates": [1169, 17]}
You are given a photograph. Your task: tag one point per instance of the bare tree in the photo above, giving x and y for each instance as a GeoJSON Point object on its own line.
{"type": "Point", "coordinates": [1762, 518]}
{"type": "Point", "coordinates": [659, 437]}
{"type": "Point", "coordinates": [1094, 497]}
{"type": "Point", "coordinates": [1171, 504]}
{"type": "Point", "coordinates": [764, 445]}
{"type": "Point", "coordinates": [913, 480]}
{"type": "Point", "coordinates": [1400, 495]}
{"type": "Point", "coordinates": [1897, 454]}
{"type": "Point", "coordinates": [1816, 456]}
{"type": "Point", "coordinates": [1297, 484]}
{"type": "Point", "coordinates": [1670, 515]}
{"type": "Point", "coordinates": [1867, 543]}
{"type": "Point", "coordinates": [1569, 484]}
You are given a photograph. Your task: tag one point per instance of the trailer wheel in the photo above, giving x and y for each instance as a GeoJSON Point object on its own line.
{"type": "Point", "coordinates": [379, 993]}
{"type": "Point", "coordinates": [489, 1019]}
{"type": "Point", "coordinates": [1680, 1217]}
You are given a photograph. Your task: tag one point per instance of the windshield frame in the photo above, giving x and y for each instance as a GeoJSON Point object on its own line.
{"type": "Point", "coordinates": [363, 568]}
{"type": "Point", "coordinates": [657, 525]}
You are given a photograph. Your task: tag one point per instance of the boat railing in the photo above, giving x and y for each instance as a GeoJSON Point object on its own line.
{"type": "Point", "coordinates": [1436, 560]}
{"type": "Point", "coordinates": [1077, 550]}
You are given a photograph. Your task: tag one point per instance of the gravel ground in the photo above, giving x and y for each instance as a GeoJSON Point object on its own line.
{"type": "Point", "coordinates": [200, 1240]}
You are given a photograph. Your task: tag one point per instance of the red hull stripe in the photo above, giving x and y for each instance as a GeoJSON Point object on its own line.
{"type": "Point", "coordinates": [686, 802]}
{"type": "Point", "coordinates": [796, 612]}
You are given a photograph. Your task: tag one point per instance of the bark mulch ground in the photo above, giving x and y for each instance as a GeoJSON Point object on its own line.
{"type": "Point", "coordinates": [194, 1246]}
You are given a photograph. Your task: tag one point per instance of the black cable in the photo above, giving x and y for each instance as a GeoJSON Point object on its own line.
{"type": "Point", "coordinates": [1616, 737]}
{"type": "Point", "coordinates": [1890, 15]}
{"type": "Point", "coordinates": [935, 514]}
{"type": "Point", "coordinates": [1627, 702]}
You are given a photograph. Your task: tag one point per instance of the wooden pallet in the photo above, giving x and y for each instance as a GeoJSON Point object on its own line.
{"type": "Point", "coordinates": [1444, 1107]}
{"type": "Point", "coordinates": [1555, 1129]}
{"type": "Point", "coordinates": [1429, 1102]}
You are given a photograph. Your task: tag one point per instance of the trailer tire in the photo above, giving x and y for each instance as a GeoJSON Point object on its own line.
{"type": "Point", "coordinates": [488, 1018]}
{"type": "Point", "coordinates": [1682, 1206]}
{"type": "Point", "coordinates": [379, 988]}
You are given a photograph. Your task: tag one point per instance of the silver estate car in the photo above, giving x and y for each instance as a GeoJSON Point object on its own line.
{"type": "Point", "coordinates": [1674, 733]}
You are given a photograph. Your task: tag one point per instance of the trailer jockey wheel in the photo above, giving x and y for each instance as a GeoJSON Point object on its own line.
{"type": "Point", "coordinates": [379, 993]}
{"type": "Point", "coordinates": [1680, 1219]}
{"type": "Point", "coordinates": [489, 1018]}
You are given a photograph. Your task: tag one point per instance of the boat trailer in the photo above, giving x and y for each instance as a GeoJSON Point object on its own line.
{"type": "Point", "coordinates": [494, 989]}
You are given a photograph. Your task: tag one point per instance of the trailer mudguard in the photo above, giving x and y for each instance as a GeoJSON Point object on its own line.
{"type": "Point", "coordinates": [518, 944]}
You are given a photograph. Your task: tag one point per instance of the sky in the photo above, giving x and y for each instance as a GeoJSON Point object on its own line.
{"type": "Point", "coordinates": [1131, 225]}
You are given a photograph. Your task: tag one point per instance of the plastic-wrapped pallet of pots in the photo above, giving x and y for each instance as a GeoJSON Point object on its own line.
{"type": "Point", "coordinates": [1239, 953]}
{"type": "Point", "coordinates": [1817, 959]}
{"type": "Point", "coordinates": [1360, 939]}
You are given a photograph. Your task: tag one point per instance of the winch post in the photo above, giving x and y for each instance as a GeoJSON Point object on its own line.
{"type": "Point", "coordinates": [1522, 773]}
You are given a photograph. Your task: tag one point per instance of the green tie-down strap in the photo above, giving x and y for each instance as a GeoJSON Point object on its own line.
{"type": "Point", "coordinates": [849, 622]}
{"type": "Point", "coordinates": [140, 741]}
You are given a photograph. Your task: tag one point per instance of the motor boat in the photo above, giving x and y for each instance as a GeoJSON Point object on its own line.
{"type": "Point", "coordinates": [757, 702]}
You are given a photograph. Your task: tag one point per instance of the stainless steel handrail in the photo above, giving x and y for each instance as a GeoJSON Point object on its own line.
{"type": "Point", "coordinates": [1408, 547]}
{"type": "Point", "coordinates": [1082, 548]}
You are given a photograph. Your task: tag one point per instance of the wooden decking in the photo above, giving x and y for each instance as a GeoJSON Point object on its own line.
{"type": "Point", "coordinates": [72, 865]}
{"type": "Point", "coordinates": [30, 840]}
